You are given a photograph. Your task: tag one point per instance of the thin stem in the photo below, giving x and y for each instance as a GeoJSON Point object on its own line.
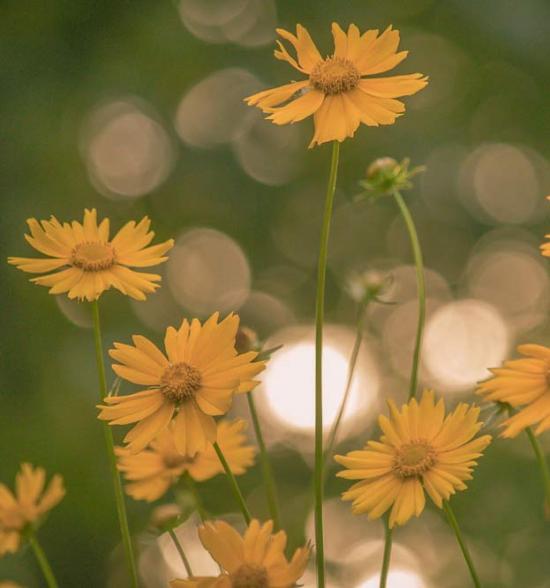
{"type": "Point", "coordinates": [319, 319]}
{"type": "Point", "coordinates": [109, 443]}
{"type": "Point", "coordinates": [387, 553]}
{"type": "Point", "coordinates": [421, 287]}
{"type": "Point", "coordinates": [454, 524]}
{"type": "Point", "coordinates": [351, 371]}
{"type": "Point", "coordinates": [43, 562]}
{"type": "Point", "coordinates": [181, 553]}
{"type": "Point", "coordinates": [234, 486]}
{"type": "Point", "coordinates": [269, 481]}
{"type": "Point", "coordinates": [543, 466]}
{"type": "Point", "coordinates": [196, 496]}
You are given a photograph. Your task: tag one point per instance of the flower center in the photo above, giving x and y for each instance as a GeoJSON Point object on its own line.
{"type": "Point", "coordinates": [334, 75]}
{"type": "Point", "coordinates": [180, 381]}
{"type": "Point", "coordinates": [413, 459]}
{"type": "Point", "coordinates": [250, 576]}
{"type": "Point", "coordinates": [93, 256]}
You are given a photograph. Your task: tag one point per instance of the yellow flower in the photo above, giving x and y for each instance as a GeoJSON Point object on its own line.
{"type": "Point", "coordinates": [192, 383]}
{"type": "Point", "coordinates": [522, 382]}
{"type": "Point", "coordinates": [89, 261]}
{"type": "Point", "coordinates": [256, 560]}
{"type": "Point", "coordinates": [545, 247]}
{"type": "Point", "coordinates": [152, 471]}
{"type": "Point", "coordinates": [336, 93]}
{"type": "Point", "coordinates": [29, 503]}
{"type": "Point", "coordinates": [421, 449]}
{"type": "Point", "coordinates": [9, 584]}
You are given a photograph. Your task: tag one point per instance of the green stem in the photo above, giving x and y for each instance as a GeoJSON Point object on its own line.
{"type": "Point", "coordinates": [109, 443]}
{"type": "Point", "coordinates": [421, 287]}
{"type": "Point", "coordinates": [181, 553]}
{"type": "Point", "coordinates": [234, 486]}
{"type": "Point", "coordinates": [387, 553]}
{"type": "Point", "coordinates": [43, 562]}
{"type": "Point", "coordinates": [543, 466]}
{"type": "Point", "coordinates": [269, 481]}
{"type": "Point", "coordinates": [319, 319]}
{"type": "Point", "coordinates": [454, 524]}
{"type": "Point", "coordinates": [351, 371]}
{"type": "Point", "coordinates": [196, 496]}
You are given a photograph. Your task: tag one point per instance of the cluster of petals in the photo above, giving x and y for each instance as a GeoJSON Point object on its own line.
{"type": "Point", "coordinates": [25, 507]}
{"type": "Point", "coordinates": [151, 472]}
{"type": "Point", "coordinates": [256, 559]}
{"type": "Point", "coordinates": [421, 450]}
{"type": "Point", "coordinates": [337, 94]}
{"type": "Point", "coordinates": [84, 260]}
{"type": "Point", "coordinates": [193, 382]}
{"type": "Point", "coordinates": [524, 384]}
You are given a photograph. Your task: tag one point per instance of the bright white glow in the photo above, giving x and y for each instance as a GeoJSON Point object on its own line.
{"type": "Point", "coordinates": [463, 339]}
{"type": "Point", "coordinates": [289, 382]}
{"type": "Point", "coordinates": [208, 271]}
{"type": "Point", "coordinates": [396, 579]}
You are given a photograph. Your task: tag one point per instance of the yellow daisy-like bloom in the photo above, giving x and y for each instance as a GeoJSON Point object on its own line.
{"type": "Point", "coordinates": [193, 382]}
{"type": "Point", "coordinates": [421, 449]}
{"type": "Point", "coordinates": [336, 93]}
{"type": "Point", "coordinates": [9, 584]}
{"type": "Point", "coordinates": [256, 560]}
{"type": "Point", "coordinates": [522, 383]}
{"type": "Point", "coordinates": [90, 262]}
{"type": "Point", "coordinates": [151, 472]}
{"type": "Point", "coordinates": [29, 503]}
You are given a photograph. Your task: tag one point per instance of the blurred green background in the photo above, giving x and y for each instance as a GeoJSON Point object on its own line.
{"type": "Point", "coordinates": [136, 108]}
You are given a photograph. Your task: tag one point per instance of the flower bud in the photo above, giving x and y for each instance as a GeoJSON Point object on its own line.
{"type": "Point", "coordinates": [368, 285]}
{"type": "Point", "coordinates": [165, 516]}
{"type": "Point", "coordinates": [246, 340]}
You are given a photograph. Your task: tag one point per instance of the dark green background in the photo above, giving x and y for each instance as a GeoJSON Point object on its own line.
{"type": "Point", "coordinates": [59, 59]}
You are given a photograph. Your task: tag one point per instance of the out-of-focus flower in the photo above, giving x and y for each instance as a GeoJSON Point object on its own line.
{"type": "Point", "coordinates": [24, 508]}
{"type": "Point", "coordinates": [385, 176]}
{"type": "Point", "coordinates": [89, 261]}
{"type": "Point", "coordinates": [522, 383]}
{"type": "Point", "coordinates": [545, 247]}
{"type": "Point", "coordinates": [192, 383]}
{"type": "Point", "coordinates": [151, 472]}
{"type": "Point", "coordinates": [9, 584]}
{"type": "Point", "coordinates": [336, 93]}
{"type": "Point", "coordinates": [255, 560]}
{"type": "Point", "coordinates": [421, 450]}
{"type": "Point", "coordinates": [363, 287]}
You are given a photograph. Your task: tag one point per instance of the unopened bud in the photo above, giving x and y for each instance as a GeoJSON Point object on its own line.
{"type": "Point", "coordinates": [246, 340]}
{"type": "Point", "coordinates": [165, 516]}
{"type": "Point", "coordinates": [386, 175]}
{"type": "Point", "coordinates": [367, 285]}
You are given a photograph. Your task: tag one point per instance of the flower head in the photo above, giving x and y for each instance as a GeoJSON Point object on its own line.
{"type": "Point", "coordinates": [30, 502]}
{"type": "Point", "coordinates": [522, 383]}
{"type": "Point", "coordinates": [192, 383]}
{"type": "Point", "coordinates": [151, 472]}
{"type": "Point", "coordinates": [256, 560]}
{"type": "Point", "coordinates": [336, 92]}
{"type": "Point", "coordinates": [89, 262]}
{"type": "Point", "coordinates": [421, 450]}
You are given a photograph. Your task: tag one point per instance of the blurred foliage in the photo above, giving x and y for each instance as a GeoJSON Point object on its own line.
{"type": "Point", "coordinates": [489, 82]}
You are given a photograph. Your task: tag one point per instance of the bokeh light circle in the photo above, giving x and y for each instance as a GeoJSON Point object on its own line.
{"type": "Point", "coordinates": [207, 271]}
{"type": "Point", "coordinates": [463, 338]}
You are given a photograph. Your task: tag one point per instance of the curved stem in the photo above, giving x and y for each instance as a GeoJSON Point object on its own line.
{"type": "Point", "coordinates": [421, 287]}
{"type": "Point", "coordinates": [319, 319]}
{"type": "Point", "coordinates": [181, 553]}
{"type": "Point", "coordinates": [387, 554]}
{"type": "Point", "coordinates": [269, 481]}
{"type": "Point", "coordinates": [109, 443]}
{"type": "Point", "coordinates": [233, 483]}
{"type": "Point", "coordinates": [351, 371]}
{"type": "Point", "coordinates": [190, 483]}
{"type": "Point", "coordinates": [543, 466]}
{"type": "Point", "coordinates": [467, 557]}
{"type": "Point", "coordinates": [43, 562]}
